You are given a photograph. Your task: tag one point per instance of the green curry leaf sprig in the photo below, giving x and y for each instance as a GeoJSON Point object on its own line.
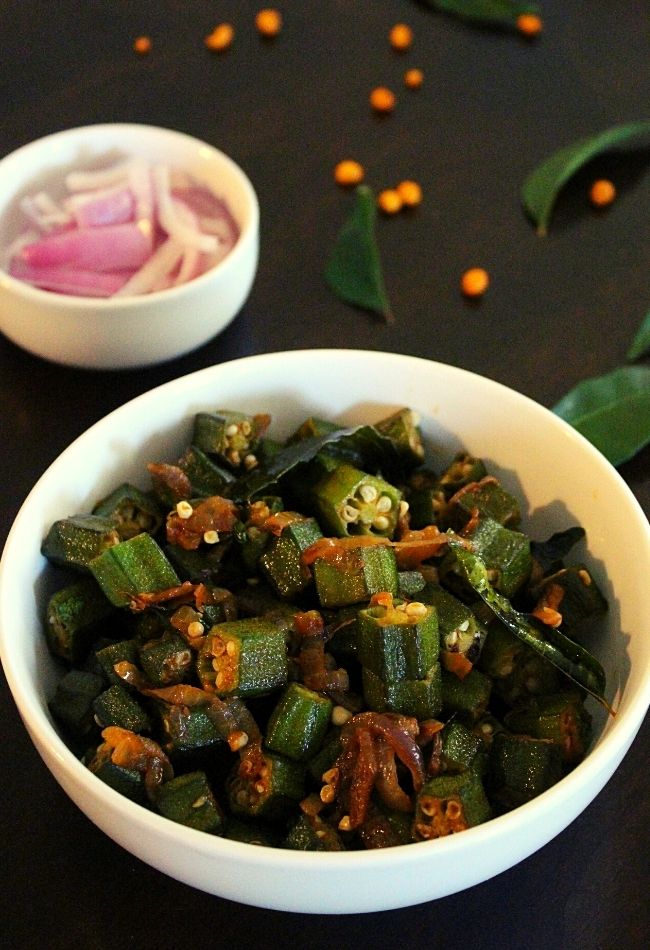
{"type": "Point", "coordinates": [354, 270]}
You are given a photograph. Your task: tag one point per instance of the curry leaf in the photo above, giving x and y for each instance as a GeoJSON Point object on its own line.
{"type": "Point", "coordinates": [641, 343]}
{"type": "Point", "coordinates": [541, 188]}
{"type": "Point", "coordinates": [498, 12]}
{"type": "Point", "coordinates": [354, 270]}
{"type": "Point", "coordinates": [569, 657]}
{"type": "Point", "coordinates": [612, 411]}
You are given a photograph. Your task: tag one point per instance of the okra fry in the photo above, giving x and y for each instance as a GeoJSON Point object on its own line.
{"type": "Point", "coordinates": [574, 661]}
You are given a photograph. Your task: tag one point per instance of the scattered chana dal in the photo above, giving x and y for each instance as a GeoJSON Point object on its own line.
{"type": "Point", "coordinates": [221, 38]}
{"type": "Point", "coordinates": [349, 172]}
{"type": "Point", "coordinates": [268, 21]}
{"type": "Point", "coordinates": [389, 201]}
{"type": "Point", "coordinates": [382, 99]}
{"type": "Point", "coordinates": [602, 193]}
{"type": "Point", "coordinates": [529, 24]}
{"type": "Point", "coordinates": [475, 282]}
{"type": "Point", "coordinates": [142, 45]}
{"type": "Point", "coordinates": [413, 78]}
{"type": "Point", "coordinates": [401, 37]}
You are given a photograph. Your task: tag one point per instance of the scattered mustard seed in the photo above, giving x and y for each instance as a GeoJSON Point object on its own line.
{"type": "Point", "coordinates": [221, 38]}
{"type": "Point", "coordinates": [475, 282]}
{"type": "Point", "coordinates": [389, 201]}
{"type": "Point", "coordinates": [142, 45]}
{"type": "Point", "coordinates": [400, 37]}
{"type": "Point", "coordinates": [413, 78]}
{"type": "Point", "coordinates": [382, 99]}
{"type": "Point", "coordinates": [268, 22]}
{"type": "Point", "coordinates": [602, 193]}
{"type": "Point", "coordinates": [349, 172]}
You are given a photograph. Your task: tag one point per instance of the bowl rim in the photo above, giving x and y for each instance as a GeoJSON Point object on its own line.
{"type": "Point", "coordinates": [592, 772]}
{"type": "Point", "coordinates": [248, 231]}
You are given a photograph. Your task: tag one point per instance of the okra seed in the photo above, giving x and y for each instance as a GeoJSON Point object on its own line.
{"type": "Point", "coordinates": [416, 609]}
{"type": "Point", "coordinates": [220, 680]}
{"type": "Point", "coordinates": [184, 510]}
{"type": "Point", "coordinates": [237, 740]}
{"type": "Point", "coordinates": [196, 629]}
{"type": "Point", "coordinates": [381, 522]}
{"type": "Point", "coordinates": [368, 493]}
{"type": "Point", "coordinates": [453, 810]}
{"type": "Point", "coordinates": [320, 833]}
{"type": "Point", "coordinates": [384, 504]}
{"type": "Point", "coordinates": [234, 457]}
{"type": "Point", "coordinates": [345, 824]}
{"type": "Point", "coordinates": [585, 577]}
{"type": "Point", "coordinates": [463, 626]}
{"type": "Point", "coordinates": [327, 794]}
{"type": "Point", "coordinates": [201, 800]}
{"type": "Point", "coordinates": [211, 537]}
{"type": "Point", "coordinates": [216, 665]}
{"type": "Point", "coordinates": [231, 649]}
{"type": "Point", "coordinates": [487, 729]}
{"type": "Point", "coordinates": [250, 461]}
{"type": "Point", "coordinates": [217, 646]}
{"type": "Point", "coordinates": [232, 430]}
{"type": "Point", "coordinates": [428, 807]}
{"type": "Point", "coordinates": [246, 427]}
{"type": "Point", "coordinates": [350, 514]}
{"type": "Point", "coordinates": [340, 715]}
{"type": "Point", "coordinates": [403, 507]}
{"type": "Point", "coordinates": [260, 788]}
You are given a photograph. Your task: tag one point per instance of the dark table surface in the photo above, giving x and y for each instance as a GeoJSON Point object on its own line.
{"type": "Point", "coordinates": [559, 309]}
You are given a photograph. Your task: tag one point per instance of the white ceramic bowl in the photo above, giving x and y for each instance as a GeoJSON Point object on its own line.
{"type": "Point", "coordinates": [565, 480]}
{"type": "Point", "coordinates": [135, 330]}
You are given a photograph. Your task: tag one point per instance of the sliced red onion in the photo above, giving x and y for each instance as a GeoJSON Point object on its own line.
{"type": "Point", "coordinates": [101, 208]}
{"type": "Point", "coordinates": [115, 247]}
{"type": "Point", "coordinates": [164, 259]}
{"type": "Point", "coordinates": [70, 280]}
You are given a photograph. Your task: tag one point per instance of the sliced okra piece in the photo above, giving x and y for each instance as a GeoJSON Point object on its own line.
{"type": "Point", "coordinates": [447, 804]}
{"type": "Point", "coordinates": [200, 566]}
{"type": "Point", "coordinates": [166, 660]}
{"type": "Point", "coordinates": [403, 428]}
{"type": "Point", "coordinates": [132, 510]}
{"type": "Point", "coordinates": [560, 718]}
{"type": "Point", "coordinates": [349, 501]}
{"type": "Point", "coordinates": [249, 534]}
{"type": "Point", "coordinates": [299, 722]}
{"type": "Point", "coordinates": [117, 707]}
{"type": "Point", "coordinates": [184, 729]}
{"type": "Point", "coordinates": [505, 553]}
{"type": "Point", "coordinates": [222, 606]}
{"type": "Point", "coordinates": [464, 468]}
{"type": "Point", "coordinates": [353, 575]}
{"type": "Point", "coordinates": [74, 542]}
{"type": "Point", "coordinates": [421, 698]}
{"type": "Point", "coordinates": [427, 505]}
{"type": "Point", "coordinates": [281, 563]}
{"type": "Point", "coordinates": [311, 833]}
{"type": "Point", "coordinates": [251, 832]}
{"type": "Point", "coordinates": [189, 800]}
{"type": "Point", "coordinates": [127, 782]}
{"type": "Point", "coordinates": [72, 703]}
{"type": "Point", "coordinates": [231, 436]}
{"type": "Point", "coordinates": [462, 748]}
{"type": "Point", "coordinates": [112, 653]}
{"type": "Point", "coordinates": [133, 567]}
{"type": "Point", "coordinates": [520, 768]}
{"type": "Point", "coordinates": [270, 792]}
{"type": "Point", "coordinates": [206, 477]}
{"type": "Point", "coordinates": [487, 498]}
{"type": "Point", "coordinates": [574, 596]}
{"type": "Point", "coordinates": [410, 583]}
{"type": "Point", "coordinates": [516, 671]}
{"type": "Point", "coordinates": [460, 632]}
{"type": "Point", "coordinates": [246, 657]}
{"type": "Point", "coordinates": [398, 640]}
{"type": "Point", "coordinates": [75, 614]}
{"type": "Point", "coordinates": [468, 696]}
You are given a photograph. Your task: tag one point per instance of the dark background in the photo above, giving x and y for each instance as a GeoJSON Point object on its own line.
{"type": "Point", "coordinates": [559, 309]}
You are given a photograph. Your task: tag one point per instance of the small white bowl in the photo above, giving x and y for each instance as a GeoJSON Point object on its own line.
{"type": "Point", "coordinates": [564, 481]}
{"type": "Point", "coordinates": [136, 330]}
